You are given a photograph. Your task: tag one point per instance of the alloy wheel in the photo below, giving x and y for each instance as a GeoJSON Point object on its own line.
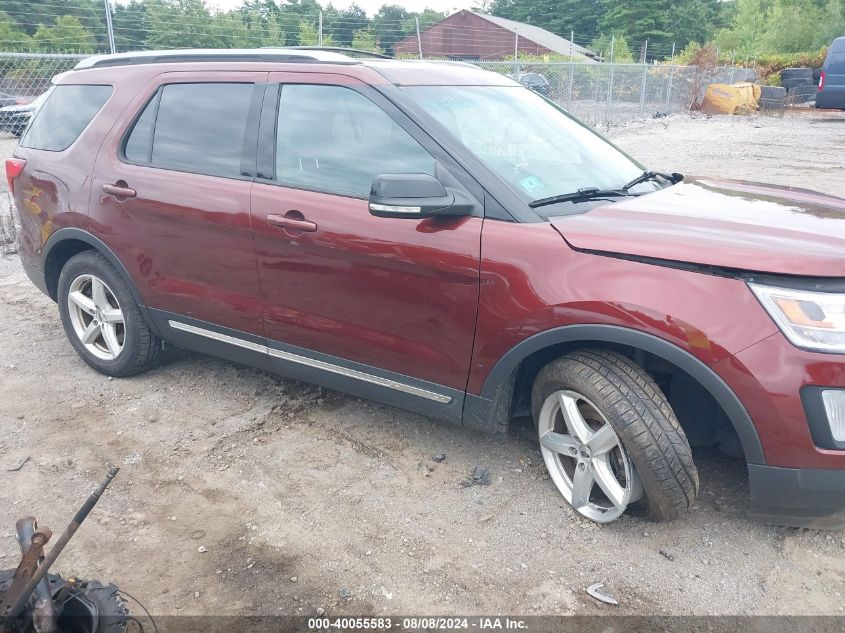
{"type": "Point", "coordinates": [96, 317]}
{"type": "Point", "coordinates": [585, 457]}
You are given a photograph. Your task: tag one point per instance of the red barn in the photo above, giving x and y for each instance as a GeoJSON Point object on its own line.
{"type": "Point", "coordinates": [478, 36]}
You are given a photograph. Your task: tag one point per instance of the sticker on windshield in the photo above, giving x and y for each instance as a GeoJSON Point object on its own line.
{"type": "Point", "coordinates": [531, 184]}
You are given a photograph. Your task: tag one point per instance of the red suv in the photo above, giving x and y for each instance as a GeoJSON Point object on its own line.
{"type": "Point", "coordinates": [442, 239]}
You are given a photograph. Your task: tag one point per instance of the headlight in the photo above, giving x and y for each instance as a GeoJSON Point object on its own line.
{"type": "Point", "coordinates": [811, 320]}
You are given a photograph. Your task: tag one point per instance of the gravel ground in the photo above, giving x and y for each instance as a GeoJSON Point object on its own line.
{"type": "Point", "coordinates": [242, 493]}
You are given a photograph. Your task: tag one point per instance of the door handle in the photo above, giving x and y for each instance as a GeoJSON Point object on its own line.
{"type": "Point", "coordinates": [119, 190]}
{"type": "Point", "coordinates": [295, 223]}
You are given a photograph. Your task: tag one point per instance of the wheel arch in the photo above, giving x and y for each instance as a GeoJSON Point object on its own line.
{"type": "Point", "coordinates": [493, 406]}
{"type": "Point", "coordinates": [69, 241]}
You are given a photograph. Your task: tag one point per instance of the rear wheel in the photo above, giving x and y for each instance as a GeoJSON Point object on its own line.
{"type": "Point", "coordinates": [610, 440]}
{"type": "Point", "coordinates": [101, 318]}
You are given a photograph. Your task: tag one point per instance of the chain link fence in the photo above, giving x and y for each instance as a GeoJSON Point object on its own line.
{"type": "Point", "coordinates": [598, 94]}
{"type": "Point", "coordinates": [610, 94]}
{"type": "Point", "coordinates": [23, 77]}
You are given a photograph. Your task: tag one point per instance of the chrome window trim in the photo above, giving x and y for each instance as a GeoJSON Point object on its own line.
{"type": "Point", "coordinates": [312, 362]}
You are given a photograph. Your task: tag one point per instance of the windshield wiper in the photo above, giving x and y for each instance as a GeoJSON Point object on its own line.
{"type": "Point", "coordinates": [593, 193]}
{"type": "Point", "coordinates": [585, 193]}
{"type": "Point", "coordinates": [674, 178]}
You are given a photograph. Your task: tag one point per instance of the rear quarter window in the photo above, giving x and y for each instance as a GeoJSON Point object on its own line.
{"type": "Point", "coordinates": [66, 112]}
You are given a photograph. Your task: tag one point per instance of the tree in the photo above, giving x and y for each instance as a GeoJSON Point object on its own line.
{"type": "Point", "coordinates": [621, 53]}
{"type": "Point", "coordinates": [390, 23]}
{"type": "Point", "coordinates": [11, 37]}
{"type": "Point", "coordinates": [639, 21]}
{"type": "Point", "coordinates": [342, 24]}
{"type": "Point", "coordinates": [66, 35]}
{"type": "Point", "coordinates": [307, 34]}
{"type": "Point", "coordinates": [782, 26]}
{"type": "Point", "coordinates": [181, 24]}
{"type": "Point", "coordinates": [558, 16]}
{"type": "Point", "coordinates": [365, 40]}
{"type": "Point", "coordinates": [695, 21]}
{"type": "Point", "coordinates": [130, 25]}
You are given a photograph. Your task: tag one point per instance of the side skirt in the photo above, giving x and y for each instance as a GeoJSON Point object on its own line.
{"type": "Point", "coordinates": [372, 383]}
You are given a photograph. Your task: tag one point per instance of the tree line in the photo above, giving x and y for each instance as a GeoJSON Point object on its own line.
{"type": "Point", "coordinates": [79, 25]}
{"type": "Point", "coordinates": [746, 28]}
{"type": "Point", "coordinates": [632, 28]}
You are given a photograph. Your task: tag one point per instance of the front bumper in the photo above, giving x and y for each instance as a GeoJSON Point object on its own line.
{"type": "Point", "coordinates": [801, 480]}
{"type": "Point", "coordinates": [798, 497]}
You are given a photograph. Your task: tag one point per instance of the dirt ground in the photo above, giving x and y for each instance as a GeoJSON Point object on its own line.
{"type": "Point", "coordinates": [242, 493]}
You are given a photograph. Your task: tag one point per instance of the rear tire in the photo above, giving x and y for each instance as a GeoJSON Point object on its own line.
{"type": "Point", "coordinates": [610, 389]}
{"type": "Point", "coordinates": [101, 318]}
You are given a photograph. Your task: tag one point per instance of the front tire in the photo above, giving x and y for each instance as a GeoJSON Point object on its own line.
{"type": "Point", "coordinates": [101, 318]}
{"type": "Point", "coordinates": [610, 439]}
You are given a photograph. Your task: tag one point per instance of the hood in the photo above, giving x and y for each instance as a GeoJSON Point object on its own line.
{"type": "Point", "coordinates": [724, 223]}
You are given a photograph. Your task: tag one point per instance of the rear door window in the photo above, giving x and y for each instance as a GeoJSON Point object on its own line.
{"type": "Point", "coordinates": [334, 139]}
{"type": "Point", "coordinates": [193, 127]}
{"type": "Point", "coordinates": [66, 112]}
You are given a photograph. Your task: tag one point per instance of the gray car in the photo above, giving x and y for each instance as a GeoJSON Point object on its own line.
{"type": "Point", "coordinates": [15, 118]}
{"type": "Point", "coordinates": [832, 79]}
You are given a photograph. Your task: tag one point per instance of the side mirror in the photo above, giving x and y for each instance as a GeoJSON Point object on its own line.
{"type": "Point", "coordinates": [410, 196]}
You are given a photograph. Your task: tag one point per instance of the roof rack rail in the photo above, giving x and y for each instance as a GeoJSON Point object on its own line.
{"type": "Point", "coordinates": [221, 55]}
{"type": "Point", "coordinates": [352, 52]}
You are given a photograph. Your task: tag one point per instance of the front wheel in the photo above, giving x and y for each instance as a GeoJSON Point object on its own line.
{"type": "Point", "coordinates": [610, 439]}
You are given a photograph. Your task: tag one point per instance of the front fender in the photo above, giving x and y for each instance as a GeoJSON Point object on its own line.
{"type": "Point", "coordinates": [486, 404]}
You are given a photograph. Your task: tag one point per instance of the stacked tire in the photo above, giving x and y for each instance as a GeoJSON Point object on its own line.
{"type": "Point", "coordinates": [772, 97]}
{"type": "Point", "coordinates": [800, 85]}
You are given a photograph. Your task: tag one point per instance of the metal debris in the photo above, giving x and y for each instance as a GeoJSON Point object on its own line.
{"type": "Point", "coordinates": [439, 458]}
{"type": "Point", "coordinates": [602, 596]}
{"type": "Point", "coordinates": [16, 469]}
{"type": "Point", "coordinates": [667, 555]}
{"type": "Point", "coordinates": [344, 593]}
{"type": "Point", "coordinates": [480, 477]}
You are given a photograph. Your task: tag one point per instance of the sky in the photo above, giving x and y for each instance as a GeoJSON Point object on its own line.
{"type": "Point", "coordinates": [371, 6]}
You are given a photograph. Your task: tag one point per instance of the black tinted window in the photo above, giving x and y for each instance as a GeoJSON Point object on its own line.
{"type": "Point", "coordinates": [335, 139]}
{"type": "Point", "coordinates": [199, 128]}
{"type": "Point", "coordinates": [63, 116]}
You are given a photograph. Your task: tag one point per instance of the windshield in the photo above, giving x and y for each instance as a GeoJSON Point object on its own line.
{"type": "Point", "coordinates": [537, 149]}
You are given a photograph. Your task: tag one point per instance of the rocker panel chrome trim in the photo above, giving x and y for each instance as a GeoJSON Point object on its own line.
{"type": "Point", "coordinates": [223, 338]}
{"type": "Point", "coordinates": [311, 362]}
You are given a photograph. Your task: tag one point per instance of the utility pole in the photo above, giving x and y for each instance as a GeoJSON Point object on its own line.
{"type": "Point", "coordinates": [610, 83]}
{"type": "Point", "coordinates": [109, 25]}
{"type": "Point", "coordinates": [671, 77]}
{"type": "Point", "coordinates": [419, 39]}
{"type": "Point", "coordinates": [516, 55]}
{"type": "Point", "coordinates": [571, 70]}
{"type": "Point", "coordinates": [644, 80]}
{"type": "Point", "coordinates": [320, 32]}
